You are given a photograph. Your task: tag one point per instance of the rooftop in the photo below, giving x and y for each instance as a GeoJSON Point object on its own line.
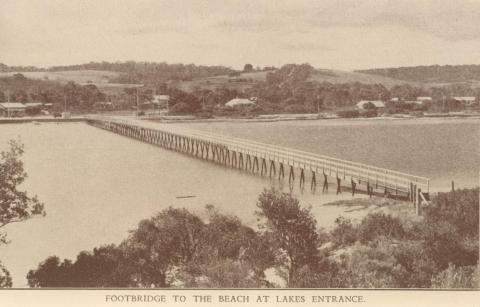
{"type": "Point", "coordinates": [12, 105]}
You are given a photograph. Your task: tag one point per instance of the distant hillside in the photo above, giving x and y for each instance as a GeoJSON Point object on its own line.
{"type": "Point", "coordinates": [339, 76]}
{"type": "Point", "coordinates": [430, 74]}
{"type": "Point", "coordinates": [131, 71]}
{"type": "Point", "coordinates": [244, 80]}
{"type": "Point", "coordinates": [78, 76]}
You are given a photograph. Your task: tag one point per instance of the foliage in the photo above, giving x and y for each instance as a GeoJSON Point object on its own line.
{"type": "Point", "coordinates": [379, 224]}
{"type": "Point", "coordinates": [348, 113]}
{"type": "Point", "coordinates": [433, 73]}
{"type": "Point", "coordinates": [368, 267]}
{"type": "Point", "coordinates": [78, 97]}
{"type": "Point", "coordinates": [175, 247]}
{"type": "Point", "coordinates": [459, 208]}
{"type": "Point", "coordinates": [292, 228]}
{"type": "Point", "coordinates": [5, 279]}
{"type": "Point", "coordinates": [248, 68]}
{"type": "Point", "coordinates": [344, 232]}
{"type": "Point", "coordinates": [15, 205]}
{"type": "Point", "coordinates": [411, 255]}
{"type": "Point", "coordinates": [466, 277]}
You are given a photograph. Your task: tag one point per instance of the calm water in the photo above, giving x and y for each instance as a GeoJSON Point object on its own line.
{"type": "Point", "coordinates": [97, 185]}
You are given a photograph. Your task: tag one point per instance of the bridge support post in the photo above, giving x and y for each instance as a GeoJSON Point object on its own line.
{"type": "Point", "coordinates": [291, 175]}
{"type": "Point", "coordinates": [302, 179]}
{"type": "Point", "coordinates": [227, 157]}
{"type": "Point", "coordinates": [248, 164]}
{"type": "Point", "coordinates": [255, 164]}
{"type": "Point", "coordinates": [313, 183]}
{"type": "Point", "coordinates": [339, 187]}
{"type": "Point", "coordinates": [325, 182]}
{"type": "Point", "coordinates": [234, 158]}
{"type": "Point", "coordinates": [419, 202]}
{"type": "Point", "coordinates": [272, 167]}
{"type": "Point", "coordinates": [240, 160]}
{"type": "Point", "coordinates": [264, 167]}
{"type": "Point", "coordinates": [281, 172]}
{"type": "Point", "coordinates": [354, 185]}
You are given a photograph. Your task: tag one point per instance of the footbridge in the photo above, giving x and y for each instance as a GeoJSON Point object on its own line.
{"type": "Point", "coordinates": [272, 160]}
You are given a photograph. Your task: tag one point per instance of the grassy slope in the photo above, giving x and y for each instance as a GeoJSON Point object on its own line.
{"type": "Point", "coordinates": [101, 79]}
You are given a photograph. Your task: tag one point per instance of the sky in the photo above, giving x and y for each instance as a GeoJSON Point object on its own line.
{"type": "Point", "coordinates": [340, 34]}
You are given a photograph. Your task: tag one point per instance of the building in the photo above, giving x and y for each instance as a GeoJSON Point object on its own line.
{"type": "Point", "coordinates": [239, 102]}
{"type": "Point", "coordinates": [12, 109]}
{"type": "Point", "coordinates": [468, 100]}
{"type": "Point", "coordinates": [377, 103]}
{"type": "Point", "coordinates": [160, 101]}
{"type": "Point", "coordinates": [424, 98]}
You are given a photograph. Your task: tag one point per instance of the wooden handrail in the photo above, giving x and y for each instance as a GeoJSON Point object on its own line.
{"type": "Point", "coordinates": [359, 171]}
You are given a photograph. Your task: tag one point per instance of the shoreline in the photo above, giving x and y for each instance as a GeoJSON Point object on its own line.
{"type": "Point", "coordinates": [261, 118]}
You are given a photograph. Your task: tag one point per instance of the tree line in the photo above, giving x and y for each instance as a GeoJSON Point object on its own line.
{"type": "Point", "coordinates": [176, 248]}
{"type": "Point", "coordinates": [18, 88]}
{"type": "Point", "coordinates": [432, 73]}
{"type": "Point", "coordinates": [289, 89]}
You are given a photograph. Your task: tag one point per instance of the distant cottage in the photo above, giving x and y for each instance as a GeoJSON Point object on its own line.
{"type": "Point", "coordinates": [159, 101]}
{"type": "Point", "coordinates": [467, 100]}
{"type": "Point", "coordinates": [377, 103]}
{"type": "Point", "coordinates": [239, 102]}
{"type": "Point", "coordinates": [12, 109]}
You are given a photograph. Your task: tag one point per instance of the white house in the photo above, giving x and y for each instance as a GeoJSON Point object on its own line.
{"type": "Point", "coordinates": [467, 100]}
{"type": "Point", "coordinates": [239, 102]}
{"type": "Point", "coordinates": [377, 103]}
{"type": "Point", "coordinates": [424, 98]}
{"type": "Point", "coordinates": [159, 101]}
{"type": "Point", "coordinates": [12, 109]}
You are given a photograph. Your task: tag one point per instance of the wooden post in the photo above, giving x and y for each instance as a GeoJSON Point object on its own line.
{"type": "Point", "coordinates": [313, 184]}
{"type": "Point", "coordinates": [415, 196]}
{"type": "Point", "coordinates": [272, 166]}
{"type": "Point", "coordinates": [302, 178]}
{"type": "Point", "coordinates": [291, 176]}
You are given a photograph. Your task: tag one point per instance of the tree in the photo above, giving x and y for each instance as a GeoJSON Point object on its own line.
{"type": "Point", "coordinates": [292, 229]}
{"type": "Point", "coordinates": [248, 68]}
{"type": "Point", "coordinates": [5, 279]}
{"type": "Point", "coordinates": [15, 206]}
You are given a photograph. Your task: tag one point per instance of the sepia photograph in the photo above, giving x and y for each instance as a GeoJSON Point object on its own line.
{"type": "Point", "coordinates": [235, 145]}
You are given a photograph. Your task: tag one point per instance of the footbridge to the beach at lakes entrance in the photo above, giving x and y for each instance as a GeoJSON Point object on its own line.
{"type": "Point", "coordinates": [263, 159]}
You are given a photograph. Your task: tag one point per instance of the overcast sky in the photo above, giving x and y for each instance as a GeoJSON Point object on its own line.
{"type": "Point", "coordinates": [339, 34]}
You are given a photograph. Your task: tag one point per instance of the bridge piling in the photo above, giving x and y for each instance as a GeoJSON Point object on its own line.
{"type": "Point", "coordinates": [231, 151]}
{"type": "Point", "coordinates": [313, 183]}
{"type": "Point", "coordinates": [281, 173]}
{"type": "Point", "coordinates": [272, 167]}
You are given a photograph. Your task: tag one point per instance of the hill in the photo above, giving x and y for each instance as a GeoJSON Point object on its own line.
{"type": "Point", "coordinates": [430, 74]}
{"type": "Point", "coordinates": [78, 76]}
{"type": "Point", "coordinates": [245, 80]}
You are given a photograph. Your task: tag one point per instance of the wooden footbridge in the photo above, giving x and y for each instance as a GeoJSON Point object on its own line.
{"type": "Point", "coordinates": [271, 160]}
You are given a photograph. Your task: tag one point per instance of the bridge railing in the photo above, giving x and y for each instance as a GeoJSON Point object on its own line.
{"type": "Point", "coordinates": [359, 171]}
{"type": "Point", "coordinates": [380, 177]}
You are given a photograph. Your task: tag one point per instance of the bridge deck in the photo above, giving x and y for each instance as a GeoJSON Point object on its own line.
{"type": "Point", "coordinates": [390, 180]}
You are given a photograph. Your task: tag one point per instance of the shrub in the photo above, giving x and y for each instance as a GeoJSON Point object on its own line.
{"type": "Point", "coordinates": [344, 233]}
{"type": "Point", "coordinates": [348, 113]}
{"type": "Point", "coordinates": [380, 224]}
{"type": "Point", "coordinates": [457, 277]}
